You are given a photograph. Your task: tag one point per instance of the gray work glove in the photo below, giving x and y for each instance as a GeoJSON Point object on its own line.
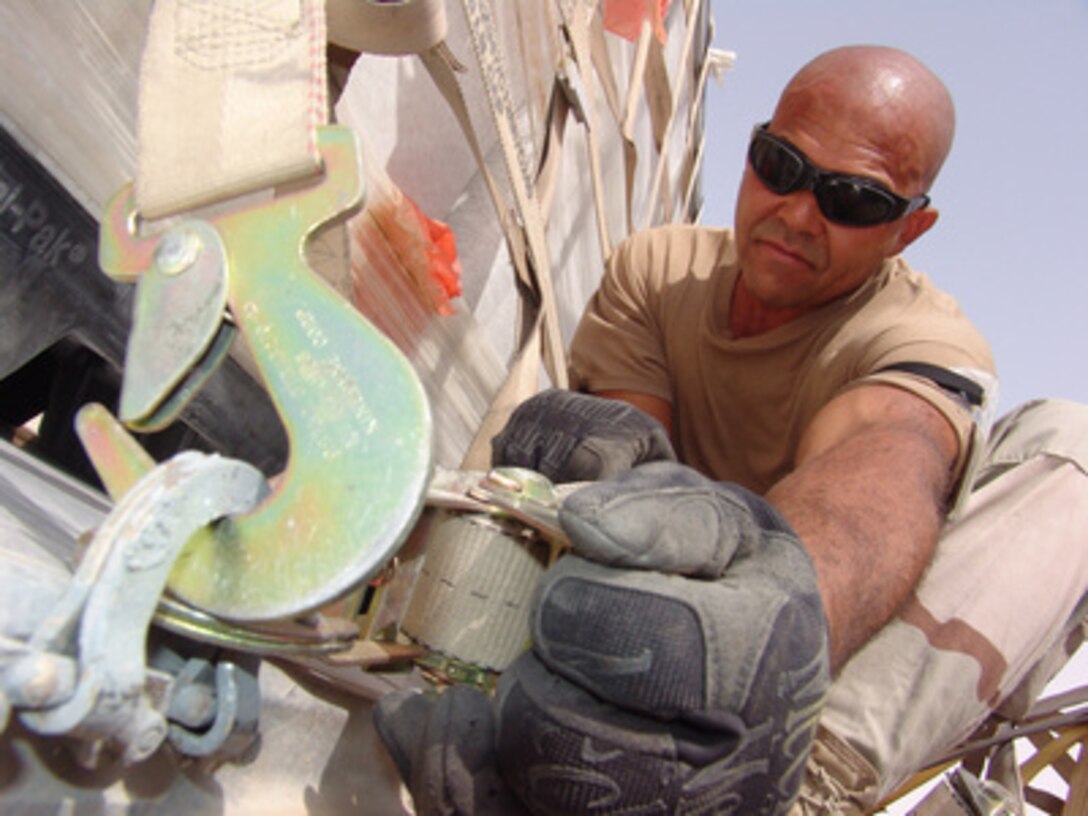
{"type": "Point", "coordinates": [573, 437]}
{"type": "Point", "coordinates": [682, 669]}
{"type": "Point", "coordinates": [444, 747]}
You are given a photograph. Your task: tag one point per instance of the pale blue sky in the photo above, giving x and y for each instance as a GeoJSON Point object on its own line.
{"type": "Point", "coordinates": [1012, 241]}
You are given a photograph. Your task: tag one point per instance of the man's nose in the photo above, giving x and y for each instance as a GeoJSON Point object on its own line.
{"type": "Point", "coordinates": [800, 212]}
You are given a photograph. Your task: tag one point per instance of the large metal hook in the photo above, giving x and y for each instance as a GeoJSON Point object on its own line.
{"type": "Point", "coordinates": [356, 415]}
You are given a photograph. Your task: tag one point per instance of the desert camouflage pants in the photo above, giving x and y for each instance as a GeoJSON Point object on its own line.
{"type": "Point", "coordinates": [988, 625]}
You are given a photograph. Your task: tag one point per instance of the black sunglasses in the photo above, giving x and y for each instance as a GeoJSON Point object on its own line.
{"type": "Point", "coordinates": [853, 201]}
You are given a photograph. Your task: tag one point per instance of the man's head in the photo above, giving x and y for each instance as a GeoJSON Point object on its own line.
{"type": "Point", "coordinates": [866, 111]}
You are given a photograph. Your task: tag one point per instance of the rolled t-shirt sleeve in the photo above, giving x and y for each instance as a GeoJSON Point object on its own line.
{"type": "Point", "coordinates": [618, 344]}
{"type": "Point", "coordinates": [932, 331]}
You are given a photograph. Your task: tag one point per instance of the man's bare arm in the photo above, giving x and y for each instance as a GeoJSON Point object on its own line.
{"type": "Point", "coordinates": [656, 407]}
{"type": "Point", "coordinates": [867, 498]}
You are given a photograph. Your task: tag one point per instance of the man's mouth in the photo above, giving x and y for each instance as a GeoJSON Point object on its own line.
{"type": "Point", "coordinates": [786, 251]}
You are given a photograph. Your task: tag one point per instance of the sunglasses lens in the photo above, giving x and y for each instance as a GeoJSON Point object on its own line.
{"type": "Point", "coordinates": [777, 166]}
{"type": "Point", "coordinates": [850, 202]}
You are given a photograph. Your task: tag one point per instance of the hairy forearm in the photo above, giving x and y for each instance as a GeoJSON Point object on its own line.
{"type": "Point", "coordinates": [869, 511]}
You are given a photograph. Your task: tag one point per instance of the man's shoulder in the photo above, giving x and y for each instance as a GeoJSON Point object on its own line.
{"type": "Point", "coordinates": [909, 311]}
{"type": "Point", "coordinates": [904, 281]}
{"type": "Point", "coordinates": [909, 290]}
{"type": "Point", "coordinates": [682, 235]}
{"type": "Point", "coordinates": [672, 251]}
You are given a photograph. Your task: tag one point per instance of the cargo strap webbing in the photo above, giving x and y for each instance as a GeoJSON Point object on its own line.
{"type": "Point", "coordinates": [630, 114]}
{"type": "Point", "coordinates": [231, 95]}
{"type": "Point", "coordinates": [482, 32]}
{"type": "Point", "coordinates": [523, 218]}
{"type": "Point", "coordinates": [598, 45]}
{"type": "Point", "coordinates": [230, 98]}
{"type": "Point", "coordinates": [471, 600]}
{"type": "Point", "coordinates": [576, 26]}
{"type": "Point", "coordinates": [716, 63]}
{"type": "Point", "coordinates": [538, 338]}
{"type": "Point", "coordinates": [542, 339]}
{"type": "Point", "coordinates": [419, 28]}
{"type": "Point", "coordinates": [443, 67]}
{"type": "Point", "coordinates": [659, 186]}
{"type": "Point", "coordinates": [522, 380]}
{"type": "Point", "coordinates": [523, 223]}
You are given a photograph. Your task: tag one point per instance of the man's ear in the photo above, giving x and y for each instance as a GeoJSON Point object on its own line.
{"type": "Point", "coordinates": [915, 226]}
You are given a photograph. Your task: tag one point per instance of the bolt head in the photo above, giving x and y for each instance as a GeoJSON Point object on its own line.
{"type": "Point", "coordinates": [177, 250]}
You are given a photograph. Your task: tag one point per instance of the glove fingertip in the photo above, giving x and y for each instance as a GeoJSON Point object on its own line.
{"type": "Point", "coordinates": [588, 540]}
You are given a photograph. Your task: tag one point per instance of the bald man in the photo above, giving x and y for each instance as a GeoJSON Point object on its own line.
{"type": "Point", "coordinates": [884, 122]}
{"type": "Point", "coordinates": [828, 408]}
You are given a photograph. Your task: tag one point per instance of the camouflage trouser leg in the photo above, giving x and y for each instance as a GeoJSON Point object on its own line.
{"type": "Point", "coordinates": [993, 616]}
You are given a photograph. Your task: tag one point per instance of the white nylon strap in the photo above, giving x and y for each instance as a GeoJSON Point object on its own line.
{"type": "Point", "coordinates": [630, 114]}
{"type": "Point", "coordinates": [523, 224]}
{"type": "Point", "coordinates": [658, 93]}
{"type": "Point", "coordinates": [603, 63]}
{"type": "Point", "coordinates": [576, 14]}
{"type": "Point", "coordinates": [442, 67]}
{"type": "Point", "coordinates": [689, 174]}
{"type": "Point", "coordinates": [559, 109]}
{"type": "Point", "coordinates": [471, 600]}
{"type": "Point", "coordinates": [716, 63]}
{"type": "Point", "coordinates": [231, 95]}
{"type": "Point", "coordinates": [482, 31]}
{"type": "Point", "coordinates": [661, 105]}
{"type": "Point", "coordinates": [660, 180]}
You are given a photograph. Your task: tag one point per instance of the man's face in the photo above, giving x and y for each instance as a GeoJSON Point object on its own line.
{"type": "Point", "coordinates": [791, 256]}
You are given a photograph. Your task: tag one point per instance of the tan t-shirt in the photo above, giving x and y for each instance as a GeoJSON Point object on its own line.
{"type": "Point", "coordinates": [658, 325]}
